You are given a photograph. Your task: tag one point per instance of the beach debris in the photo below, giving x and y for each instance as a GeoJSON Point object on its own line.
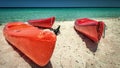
{"type": "Point", "coordinates": [77, 61]}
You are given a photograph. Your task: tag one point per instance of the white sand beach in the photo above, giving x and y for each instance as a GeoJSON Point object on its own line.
{"type": "Point", "coordinates": [71, 50]}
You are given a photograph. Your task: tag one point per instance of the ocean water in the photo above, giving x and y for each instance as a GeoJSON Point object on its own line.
{"type": "Point", "coordinates": [61, 14]}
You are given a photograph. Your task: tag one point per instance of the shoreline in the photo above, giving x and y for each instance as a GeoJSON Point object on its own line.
{"type": "Point", "coordinates": [116, 18]}
{"type": "Point", "coordinates": [72, 50]}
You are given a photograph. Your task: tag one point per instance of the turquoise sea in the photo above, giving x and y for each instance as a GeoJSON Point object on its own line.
{"type": "Point", "coordinates": [61, 14]}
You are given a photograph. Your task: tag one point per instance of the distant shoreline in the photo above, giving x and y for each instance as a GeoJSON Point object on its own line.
{"type": "Point", "coordinates": [118, 18]}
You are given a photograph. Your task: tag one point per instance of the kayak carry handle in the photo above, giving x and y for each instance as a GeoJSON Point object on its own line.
{"type": "Point", "coordinates": [57, 30]}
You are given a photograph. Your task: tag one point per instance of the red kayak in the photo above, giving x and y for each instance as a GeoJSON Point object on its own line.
{"type": "Point", "coordinates": [44, 23]}
{"type": "Point", "coordinates": [35, 43]}
{"type": "Point", "coordinates": [90, 28]}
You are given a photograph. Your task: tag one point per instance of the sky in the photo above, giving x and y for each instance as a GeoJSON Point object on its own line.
{"type": "Point", "coordinates": [59, 3]}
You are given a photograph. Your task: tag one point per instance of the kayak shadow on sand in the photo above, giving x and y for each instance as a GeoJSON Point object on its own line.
{"type": "Point", "coordinates": [29, 61]}
{"type": "Point", "coordinates": [92, 46]}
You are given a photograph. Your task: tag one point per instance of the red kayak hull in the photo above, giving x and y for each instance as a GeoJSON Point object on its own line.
{"type": "Point", "coordinates": [90, 28]}
{"type": "Point", "coordinates": [37, 44]}
{"type": "Point", "coordinates": [44, 23]}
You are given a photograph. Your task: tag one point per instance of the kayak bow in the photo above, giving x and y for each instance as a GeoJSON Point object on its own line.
{"type": "Point", "coordinates": [44, 23]}
{"type": "Point", "coordinates": [90, 28]}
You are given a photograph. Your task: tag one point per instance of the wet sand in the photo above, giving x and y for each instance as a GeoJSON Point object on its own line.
{"type": "Point", "coordinates": [72, 50]}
